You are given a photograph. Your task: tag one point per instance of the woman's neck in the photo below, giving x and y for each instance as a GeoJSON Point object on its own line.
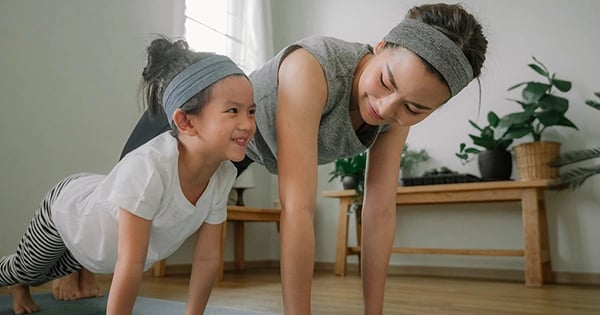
{"type": "Point", "coordinates": [357, 122]}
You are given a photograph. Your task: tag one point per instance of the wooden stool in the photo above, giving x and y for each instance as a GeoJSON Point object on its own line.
{"type": "Point", "coordinates": [238, 215]}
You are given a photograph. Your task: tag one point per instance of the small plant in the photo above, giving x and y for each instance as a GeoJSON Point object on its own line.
{"type": "Point", "coordinates": [485, 141]}
{"type": "Point", "coordinates": [575, 177]}
{"type": "Point", "coordinates": [541, 107]}
{"type": "Point", "coordinates": [353, 167]}
{"type": "Point", "coordinates": [410, 159]}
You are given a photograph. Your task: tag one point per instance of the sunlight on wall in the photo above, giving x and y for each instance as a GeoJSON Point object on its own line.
{"type": "Point", "coordinates": [207, 25]}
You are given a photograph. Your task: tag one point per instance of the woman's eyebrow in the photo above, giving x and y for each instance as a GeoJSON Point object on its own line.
{"type": "Point", "coordinates": [423, 107]}
{"type": "Point", "coordinates": [391, 76]}
{"type": "Point", "coordinates": [393, 82]}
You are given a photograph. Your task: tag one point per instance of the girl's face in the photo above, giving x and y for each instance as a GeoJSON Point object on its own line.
{"type": "Point", "coordinates": [227, 123]}
{"type": "Point", "coordinates": [396, 87]}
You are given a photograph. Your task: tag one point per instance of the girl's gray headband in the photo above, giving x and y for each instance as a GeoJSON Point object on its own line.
{"type": "Point", "coordinates": [195, 78]}
{"type": "Point", "coordinates": [436, 48]}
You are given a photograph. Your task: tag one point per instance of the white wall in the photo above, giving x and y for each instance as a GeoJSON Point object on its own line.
{"type": "Point", "coordinates": [69, 95]}
{"type": "Point", "coordinates": [70, 71]}
{"type": "Point", "coordinates": [562, 35]}
{"type": "Point", "coordinates": [68, 92]}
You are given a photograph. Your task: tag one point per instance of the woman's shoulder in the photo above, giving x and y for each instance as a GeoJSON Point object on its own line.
{"type": "Point", "coordinates": [333, 46]}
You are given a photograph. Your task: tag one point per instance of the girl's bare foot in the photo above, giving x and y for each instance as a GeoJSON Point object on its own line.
{"type": "Point", "coordinates": [87, 284]}
{"type": "Point", "coordinates": [22, 300]}
{"type": "Point", "coordinates": [80, 284]}
{"type": "Point", "coordinates": [67, 288]}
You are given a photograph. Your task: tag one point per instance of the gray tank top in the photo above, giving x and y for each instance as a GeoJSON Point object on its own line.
{"type": "Point", "coordinates": [337, 138]}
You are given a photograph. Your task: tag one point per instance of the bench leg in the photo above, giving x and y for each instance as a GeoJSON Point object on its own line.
{"type": "Point", "coordinates": [159, 269]}
{"type": "Point", "coordinates": [239, 245]}
{"type": "Point", "coordinates": [222, 258]}
{"type": "Point", "coordinates": [535, 236]}
{"type": "Point", "coordinates": [342, 237]}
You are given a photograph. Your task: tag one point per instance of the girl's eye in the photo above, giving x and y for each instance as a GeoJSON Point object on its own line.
{"type": "Point", "coordinates": [232, 110]}
{"type": "Point", "coordinates": [252, 111]}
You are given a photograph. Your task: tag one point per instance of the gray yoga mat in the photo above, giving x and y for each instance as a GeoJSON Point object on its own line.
{"type": "Point", "coordinates": [97, 306]}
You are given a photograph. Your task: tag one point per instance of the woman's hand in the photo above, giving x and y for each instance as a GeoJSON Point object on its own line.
{"type": "Point", "coordinates": [379, 214]}
{"type": "Point", "coordinates": [301, 99]}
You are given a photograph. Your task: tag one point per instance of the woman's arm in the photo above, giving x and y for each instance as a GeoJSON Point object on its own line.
{"type": "Point", "coordinates": [379, 214]}
{"type": "Point", "coordinates": [301, 99]}
{"type": "Point", "coordinates": [134, 235]}
{"type": "Point", "coordinates": [205, 265]}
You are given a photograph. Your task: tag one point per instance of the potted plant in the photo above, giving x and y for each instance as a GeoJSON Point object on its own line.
{"type": "Point", "coordinates": [410, 159]}
{"type": "Point", "coordinates": [575, 177]}
{"type": "Point", "coordinates": [541, 108]}
{"type": "Point", "coordinates": [494, 159]}
{"type": "Point", "coordinates": [351, 171]}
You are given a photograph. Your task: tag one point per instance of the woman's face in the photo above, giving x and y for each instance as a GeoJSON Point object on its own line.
{"type": "Point", "coordinates": [396, 87]}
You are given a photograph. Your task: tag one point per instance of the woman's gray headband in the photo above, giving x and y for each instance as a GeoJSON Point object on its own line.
{"type": "Point", "coordinates": [436, 48]}
{"type": "Point", "coordinates": [195, 78]}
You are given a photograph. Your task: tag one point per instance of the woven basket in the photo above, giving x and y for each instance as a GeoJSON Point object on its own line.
{"type": "Point", "coordinates": [533, 157]}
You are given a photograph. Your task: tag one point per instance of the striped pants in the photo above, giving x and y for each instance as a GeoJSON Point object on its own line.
{"type": "Point", "coordinates": [41, 255]}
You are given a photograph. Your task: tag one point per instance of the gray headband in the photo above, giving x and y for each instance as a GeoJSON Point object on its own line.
{"type": "Point", "coordinates": [436, 48]}
{"type": "Point", "coordinates": [195, 78]}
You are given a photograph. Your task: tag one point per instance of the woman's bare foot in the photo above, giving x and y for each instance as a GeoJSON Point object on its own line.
{"type": "Point", "coordinates": [88, 285]}
{"type": "Point", "coordinates": [67, 288]}
{"type": "Point", "coordinates": [22, 300]}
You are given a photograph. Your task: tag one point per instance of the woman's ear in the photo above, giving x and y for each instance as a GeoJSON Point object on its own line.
{"type": "Point", "coordinates": [379, 46]}
{"type": "Point", "coordinates": [182, 121]}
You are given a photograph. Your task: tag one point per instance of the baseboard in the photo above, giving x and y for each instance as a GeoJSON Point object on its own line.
{"type": "Point", "coordinates": [183, 269]}
{"type": "Point", "coordinates": [560, 277]}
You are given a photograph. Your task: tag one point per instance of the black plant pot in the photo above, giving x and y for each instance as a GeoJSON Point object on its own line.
{"type": "Point", "coordinates": [348, 182]}
{"type": "Point", "coordinates": [495, 164]}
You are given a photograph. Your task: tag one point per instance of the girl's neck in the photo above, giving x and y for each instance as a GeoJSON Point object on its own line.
{"type": "Point", "coordinates": [194, 171]}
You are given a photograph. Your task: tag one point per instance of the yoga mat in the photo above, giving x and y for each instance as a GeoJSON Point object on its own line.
{"type": "Point", "coordinates": [97, 306]}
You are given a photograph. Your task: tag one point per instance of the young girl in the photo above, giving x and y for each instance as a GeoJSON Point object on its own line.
{"type": "Point", "coordinates": [323, 98]}
{"type": "Point", "coordinates": [173, 186]}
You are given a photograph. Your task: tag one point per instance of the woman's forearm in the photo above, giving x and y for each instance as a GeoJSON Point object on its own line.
{"type": "Point", "coordinates": [297, 259]}
{"type": "Point", "coordinates": [378, 230]}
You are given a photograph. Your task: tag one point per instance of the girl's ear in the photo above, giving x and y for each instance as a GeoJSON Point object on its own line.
{"type": "Point", "coordinates": [183, 122]}
{"type": "Point", "coordinates": [379, 46]}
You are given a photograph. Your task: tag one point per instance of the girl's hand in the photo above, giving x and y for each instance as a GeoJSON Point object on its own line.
{"type": "Point", "coordinates": [205, 266]}
{"type": "Point", "coordinates": [134, 235]}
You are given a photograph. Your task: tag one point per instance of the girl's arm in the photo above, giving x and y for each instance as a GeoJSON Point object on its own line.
{"type": "Point", "coordinates": [379, 214]}
{"type": "Point", "coordinates": [205, 266]}
{"type": "Point", "coordinates": [301, 99]}
{"type": "Point", "coordinates": [134, 235]}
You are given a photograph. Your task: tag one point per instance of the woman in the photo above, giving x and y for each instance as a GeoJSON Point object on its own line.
{"type": "Point", "coordinates": [322, 98]}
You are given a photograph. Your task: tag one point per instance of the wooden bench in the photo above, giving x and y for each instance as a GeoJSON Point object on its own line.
{"type": "Point", "coordinates": [238, 215]}
{"type": "Point", "coordinates": [536, 250]}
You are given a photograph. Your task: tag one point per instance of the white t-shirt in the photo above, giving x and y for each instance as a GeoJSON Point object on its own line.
{"type": "Point", "coordinates": [145, 183]}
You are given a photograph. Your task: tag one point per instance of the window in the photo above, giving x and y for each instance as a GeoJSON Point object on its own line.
{"type": "Point", "coordinates": [240, 29]}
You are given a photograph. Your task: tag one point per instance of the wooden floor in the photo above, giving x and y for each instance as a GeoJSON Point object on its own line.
{"type": "Point", "coordinates": [260, 290]}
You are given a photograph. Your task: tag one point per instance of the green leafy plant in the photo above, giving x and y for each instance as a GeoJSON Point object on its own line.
{"type": "Point", "coordinates": [411, 158]}
{"type": "Point", "coordinates": [575, 177]}
{"type": "Point", "coordinates": [486, 140]}
{"type": "Point", "coordinates": [541, 107]}
{"type": "Point", "coordinates": [353, 166]}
